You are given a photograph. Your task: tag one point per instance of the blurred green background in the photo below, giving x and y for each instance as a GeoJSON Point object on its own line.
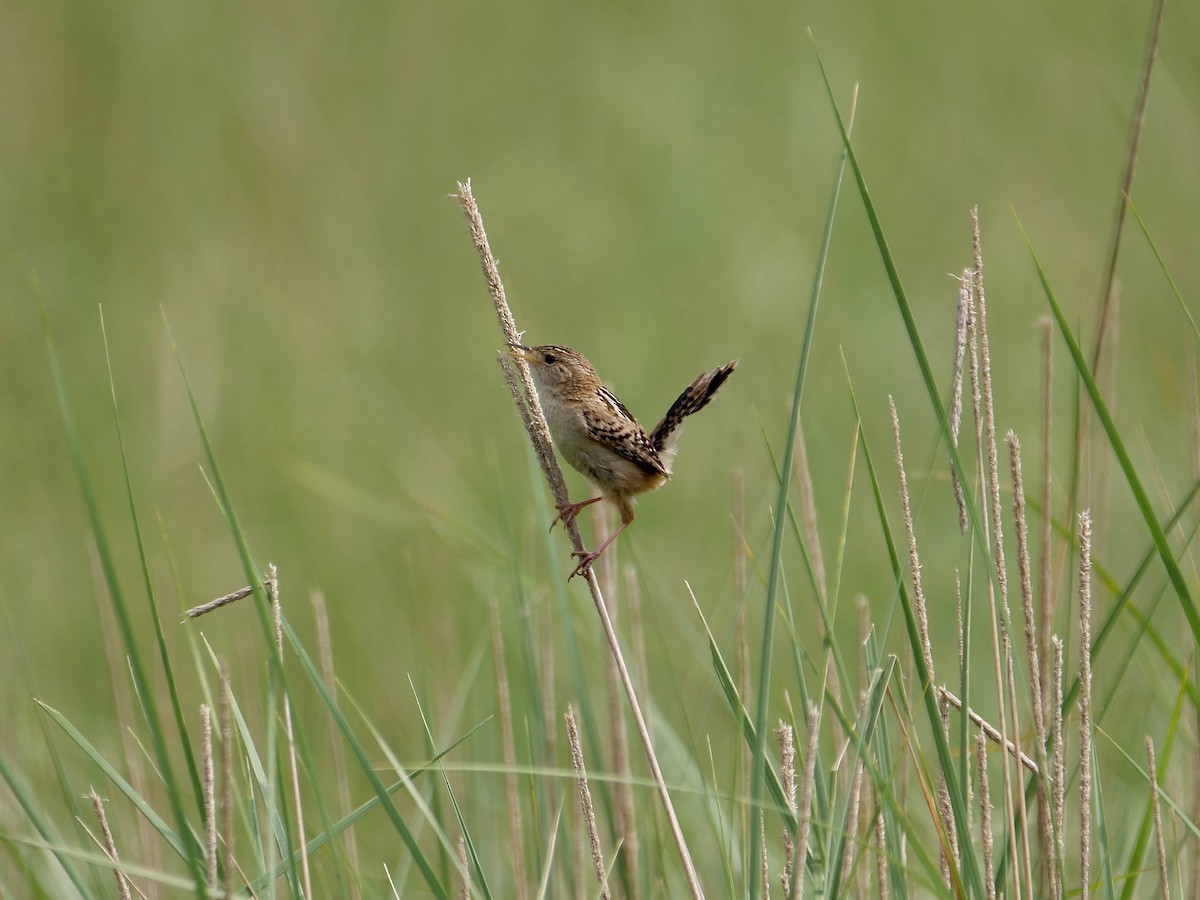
{"type": "Point", "coordinates": [654, 179]}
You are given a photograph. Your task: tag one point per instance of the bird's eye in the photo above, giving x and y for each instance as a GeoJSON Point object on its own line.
{"type": "Point", "coordinates": [551, 359]}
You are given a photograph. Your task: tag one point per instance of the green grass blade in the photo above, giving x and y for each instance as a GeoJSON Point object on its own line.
{"type": "Point", "coordinates": [1162, 264]}
{"type": "Point", "coordinates": [758, 762]}
{"type": "Point", "coordinates": [942, 745]}
{"type": "Point", "coordinates": [148, 583]}
{"type": "Point", "coordinates": [1142, 499]}
{"type": "Point", "coordinates": [146, 810]}
{"type": "Point", "coordinates": [458, 813]}
{"type": "Point", "coordinates": [30, 806]}
{"type": "Point", "coordinates": [191, 851]}
{"type": "Point", "coordinates": [1163, 760]}
{"type": "Point", "coordinates": [310, 669]}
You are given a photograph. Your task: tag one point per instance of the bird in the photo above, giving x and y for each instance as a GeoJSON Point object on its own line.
{"type": "Point", "coordinates": [601, 439]}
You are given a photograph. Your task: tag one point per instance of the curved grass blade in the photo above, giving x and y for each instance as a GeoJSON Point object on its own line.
{"type": "Point", "coordinates": [171, 837]}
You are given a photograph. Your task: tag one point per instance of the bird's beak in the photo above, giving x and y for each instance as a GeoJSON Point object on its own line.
{"type": "Point", "coordinates": [520, 351]}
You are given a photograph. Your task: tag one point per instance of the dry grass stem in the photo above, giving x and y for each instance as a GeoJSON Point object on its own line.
{"type": "Point", "coordinates": [1045, 830]}
{"type": "Point", "coordinates": [949, 846]}
{"type": "Point", "coordinates": [804, 811]}
{"type": "Point", "coordinates": [637, 633]}
{"type": "Point", "coordinates": [210, 795]}
{"type": "Point", "coordinates": [196, 611]}
{"type": "Point", "coordinates": [990, 731]}
{"type": "Point", "coordinates": [1152, 770]}
{"type": "Point", "coordinates": [1046, 561]}
{"type": "Point", "coordinates": [539, 435]}
{"type": "Point", "coordinates": [1060, 760]}
{"type": "Point", "coordinates": [961, 326]}
{"type": "Point", "coordinates": [764, 871]}
{"type": "Point", "coordinates": [883, 888]}
{"type": "Point", "coordinates": [985, 816]}
{"type": "Point", "coordinates": [328, 675]}
{"type": "Point", "coordinates": [585, 800]}
{"type": "Point", "coordinates": [787, 771]}
{"type": "Point", "coordinates": [1014, 800]}
{"type": "Point", "coordinates": [808, 514]}
{"type": "Point", "coordinates": [850, 854]}
{"type": "Point", "coordinates": [464, 868]}
{"type": "Point", "coordinates": [739, 531]}
{"type": "Point", "coordinates": [225, 807]}
{"type": "Point", "coordinates": [123, 701]}
{"type": "Point", "coordinates": [293, 763]}
{"type": "Point", "coordinates": [508, 748]}
{"type": "Point", "coordinates": [622, 791]}
{"type": "Point", "coordinates": [1131, 158]}
{"type": "Point", "coordinates": [914, 559]}
{"type": "Point", "coordinates": [109, 845]}
{"type": "Point", "coordinates": [1085, 703]}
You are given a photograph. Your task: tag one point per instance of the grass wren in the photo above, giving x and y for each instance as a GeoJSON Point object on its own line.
{"type": "Point", "coordinates": [600, 438]}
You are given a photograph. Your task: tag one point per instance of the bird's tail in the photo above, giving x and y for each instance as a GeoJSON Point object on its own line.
{"type": "Point", "coordinates": [694, 398]}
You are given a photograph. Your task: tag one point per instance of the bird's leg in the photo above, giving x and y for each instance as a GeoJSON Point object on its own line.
{"type": "Point", "coordinates": [568, 511]}
{"type": "Point", "coordinates": [586, 559]}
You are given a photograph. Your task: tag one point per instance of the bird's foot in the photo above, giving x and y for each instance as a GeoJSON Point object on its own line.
{"type": "Point", "coordinates": [585, 561]}
{"type": "Point", "coordinates": [568, 511]}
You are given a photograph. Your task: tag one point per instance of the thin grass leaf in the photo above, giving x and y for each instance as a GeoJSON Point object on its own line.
{"type": "Point", "coordinates": [1142, 841]}
{"type": "Point", "coordinates": [945, 761]}
{"type": "Point", "coordinates": [458, 814]}
{"type": "Point", "coordinates": [117, 779]}
{"type": "Point", "coordinates": [100, 861]}
{"type": "Point", "coordinates": [310, 669]}
{"type": "Point", "coordinates": [192, 852]}
{"type": "Point", "coordinates": [1182, 591]}
{"type": "Point", "coordinates": [758, 762]}
{"type": "Point", "coordinates": [1162, 264]}
{"type": "Point", "coordinates": [148, 583]}
{"type": "Point", "coordinates": [30, 806]}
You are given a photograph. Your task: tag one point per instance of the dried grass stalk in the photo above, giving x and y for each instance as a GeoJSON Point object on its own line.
{"type": "Point", "coordinates": [585, 801]}
{"type": "Point", "coordinates": [329, 676]}
{"type": "Point", "coordinates": [787, 770]}
{"type": "Point", "coordinates": [1152, 770]}
{"type": "Point", "coordinates": [1060, 760]}
{"type": "Point", "coordinates": [210, 798]}
{"type": "Point", "coordinates": [961, 326]}
{"type": "Point", "coordinates": [1045, 830]}
{"type": "Point", "coordinates": [1046, 562]}
{"type": "Point", "coordinates": [225, 808]}
{"type": "Point", "coordinates": [1085, 703]}
{"type": "Point", "coordinates": [985, 816]}
{"type": "Point", "coordinates": [804, 811]}
{"type": "Point", "coordinates": [109, 845]}
{"type": "Point", "coordinates": [914, 560]}
{"type": "Point", "coordinates": [539, 435]}
{"type": "Point", "coordinates": [990, 731]}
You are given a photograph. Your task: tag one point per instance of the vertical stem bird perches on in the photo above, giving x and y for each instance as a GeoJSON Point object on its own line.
{"type": "Point", "coordinates": [539, 435]}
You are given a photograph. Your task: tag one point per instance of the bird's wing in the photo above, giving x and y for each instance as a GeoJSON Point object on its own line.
{"type": "Point", "coordinates": [611, 424]}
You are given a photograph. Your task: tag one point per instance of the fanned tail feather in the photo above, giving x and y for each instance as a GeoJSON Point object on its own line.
{"type": "Point", "coordinates": [694, 398]}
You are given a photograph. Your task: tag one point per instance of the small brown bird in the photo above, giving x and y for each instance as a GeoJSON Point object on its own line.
{"type": "Point", "coordinates": [600, 438]}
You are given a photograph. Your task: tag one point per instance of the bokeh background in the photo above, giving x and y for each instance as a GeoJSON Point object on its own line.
{"type": "Point", "coordinates": [270, 179]}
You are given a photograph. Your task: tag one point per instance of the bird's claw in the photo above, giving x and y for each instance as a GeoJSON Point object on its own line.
{"type": "Point", "coordinates": [568, 511]}
{"type": "Point", "coordinates": [585, 562]}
